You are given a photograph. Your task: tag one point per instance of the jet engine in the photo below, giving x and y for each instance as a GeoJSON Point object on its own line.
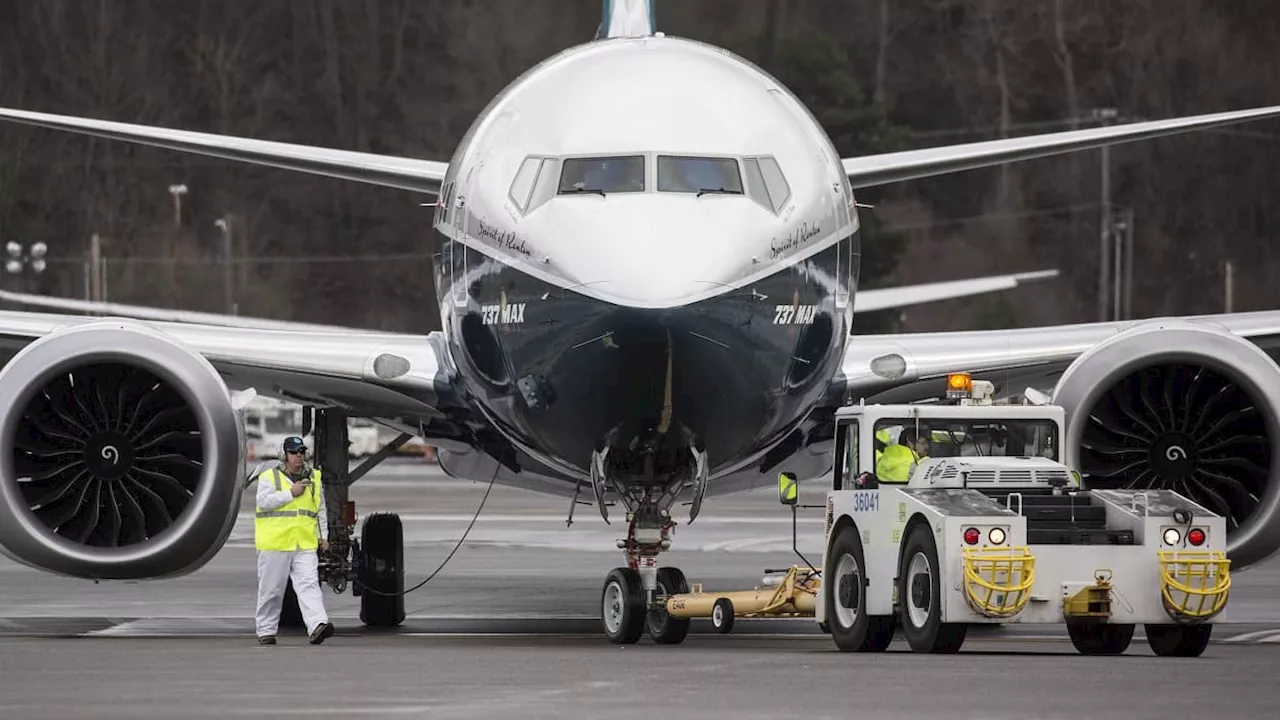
{"type": "Point", "coordinates": [1184, 406]}
{"type": "Point", "coordinates": [121, 455]}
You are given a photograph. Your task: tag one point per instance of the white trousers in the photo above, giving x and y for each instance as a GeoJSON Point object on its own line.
{"type": "Point", "coordinates": [275, 569]}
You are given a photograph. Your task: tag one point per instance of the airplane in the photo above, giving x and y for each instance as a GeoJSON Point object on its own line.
{"type": "Point", "coordinates": [647, 280]}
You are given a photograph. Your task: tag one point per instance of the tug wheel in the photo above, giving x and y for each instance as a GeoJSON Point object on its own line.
{"type": "Point", "coordinates": [722, 615]}
{"type": "Point", "coordinates": [664, 629]}
{"type": "Point", "coordinates": [1100, 638]}
{"type": "Point", "coordinates": [879, 633]}
{"type": "Point", "coordinates": [846, 591]}
{"type": "Point", "coordinates": [622, 606]}
{"type": "Point", "coordinates": [1178, 640]}
{"type": "Point", "coordinates": [920, 597]}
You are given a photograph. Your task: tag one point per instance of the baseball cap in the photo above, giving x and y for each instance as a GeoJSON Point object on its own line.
{"type": "Point", "coordinates": [293, 443]}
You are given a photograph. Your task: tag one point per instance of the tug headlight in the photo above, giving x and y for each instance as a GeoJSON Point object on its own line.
{"type": "Point", "coordinates": [1172, 536]}
{"type": "Point", "coordinates": [996, 536]}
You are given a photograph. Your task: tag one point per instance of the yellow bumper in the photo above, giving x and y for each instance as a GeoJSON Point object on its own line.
{"type": "Point", "coordinates": [997, 580]}
{"type": "Point", "coordinates": [1194, 584]}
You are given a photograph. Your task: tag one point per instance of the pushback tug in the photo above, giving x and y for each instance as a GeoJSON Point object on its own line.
{"type": "Point", "coordinates": [993, 528]}
{"type": "Point", "coordinates": [990, 528]}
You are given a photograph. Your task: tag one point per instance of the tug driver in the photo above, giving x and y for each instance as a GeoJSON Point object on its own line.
{"type": "Point", "coordinates": [898, 460]}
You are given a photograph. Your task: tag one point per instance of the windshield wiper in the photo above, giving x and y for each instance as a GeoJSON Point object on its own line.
{"type": "Point", "coordinates": [718, 191]}
{"type": "Point", "coordinates": [573, 191]}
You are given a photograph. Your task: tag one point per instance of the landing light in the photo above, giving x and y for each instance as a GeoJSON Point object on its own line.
{"type": "Point", "coordinates": [996, 536]}
{"type": "Point", "coordinates": [1172, 536]}
{"type": "Point", "coordinates": [971, 536]}
{"type": "Point", "coordinates": [1196, 536]}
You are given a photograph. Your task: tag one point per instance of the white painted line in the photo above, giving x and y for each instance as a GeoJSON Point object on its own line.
{"type": "Point", "coordinates": [124, 628]}
{"type": "Point", "coordinates": [560, 519]}
{"type": "Point", "coordinates": [593, 635]}
{"type": "Point", "coordinates": [1257, 635]}
{"type": "Point", "coordinates": [783, 542]}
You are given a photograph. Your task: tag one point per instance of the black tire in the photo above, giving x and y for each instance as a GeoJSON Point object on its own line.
{"type": "Point", "coordinates": [382, 571]}
{"type": "Point", "coordinates": [932, 635]}
{"type": "Point", "coordinates": [290, 611]}
{"type": "Point", "coordinates": [846, 590]}
{"type": "Point", "coordinates": [622, 606]}
{"type": "Point", "coordinates": [722, 616]}
{"type": "Point", "coordinates": [664, 629]}
{"type": "Point", "coordinates": [1093, 638]}
{"type": "Point", "coordinates": [879, 633]}
{"type": "Point", "coordinates": [1178, 640]}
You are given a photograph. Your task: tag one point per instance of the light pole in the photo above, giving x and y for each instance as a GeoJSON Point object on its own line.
{"type": "Point", "coordinates": [177, 191]}
{"type": "Point", "coordinates": [1104, 116]}
{"type": "Point", "coordinates": [19, 260]}
{"type": "Point", "coordinates": [224, 224]}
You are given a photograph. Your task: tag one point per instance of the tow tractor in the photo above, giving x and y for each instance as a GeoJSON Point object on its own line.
{"type": "Point", "coordinates": [991, 528]}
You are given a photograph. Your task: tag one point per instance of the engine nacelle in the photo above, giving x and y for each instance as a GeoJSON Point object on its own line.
{"type": "Point", "coordinates": [121, 455]}
{"type": "Point", "coordinates": [1184, 406]}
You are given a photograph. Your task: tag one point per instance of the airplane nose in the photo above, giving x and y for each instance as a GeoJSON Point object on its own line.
{"type": "Point", "coordinates": [647, 251]}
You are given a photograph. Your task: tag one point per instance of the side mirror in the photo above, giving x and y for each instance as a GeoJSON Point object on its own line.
{"type": "Point", "coordinates": [788, 488]}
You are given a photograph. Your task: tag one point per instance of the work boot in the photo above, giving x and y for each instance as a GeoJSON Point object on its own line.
{"type": "Point", "coordinates": [322, 631]}
{"type": "Point", "coordinates": [267, 640]}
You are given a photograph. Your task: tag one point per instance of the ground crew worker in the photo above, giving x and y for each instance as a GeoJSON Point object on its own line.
{"type": "Point", "coordinates": [883, 440]}
{"type": "Point", "coordinates": [898, 460]}
{"type": "Point", "coordinates": [290, 524]}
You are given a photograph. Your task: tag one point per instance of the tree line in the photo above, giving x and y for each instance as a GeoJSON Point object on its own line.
{"type": "Point", "coordinates": [407, 77]}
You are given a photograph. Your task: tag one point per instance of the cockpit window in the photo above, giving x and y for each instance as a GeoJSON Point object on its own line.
{"type": "Point", "coordinates": [765, 183]}
{"type": "Point", "coordinates": [602, 174]}
{"type": "Point", "coordinates": [522, 185]}
{"type": "Point", "coordinates": [779, 192]}
{"type": "Point", "coordinates": [698, 174]}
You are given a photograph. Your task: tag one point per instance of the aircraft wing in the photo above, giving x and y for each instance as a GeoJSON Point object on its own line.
{"type": "Point", "coordinates": [865, 300]}
{"type": "Point", "coordinates": [912, 164]}
{"type": "Point", "coordinates": [143, 312]}
{"type": "Point", "coordinates": [376, 375]}
{"type": "Point", "coordinates": [895, 297]}
{"type": "Point", "coordinates": [877, 364]}
{"type": "Point", "coordinates": [386, 170]}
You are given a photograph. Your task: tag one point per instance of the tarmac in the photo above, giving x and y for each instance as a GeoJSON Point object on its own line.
{"type": "Point", "coordinates": [510, 626]}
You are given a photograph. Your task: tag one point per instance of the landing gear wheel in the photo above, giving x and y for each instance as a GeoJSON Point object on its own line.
{"type": "Point", "coordinates": [290, 611]}
{"type": "Point", "coordinates": [1178, 640]}
{"type": "Point", "coordinates": [722, 616]}
{"type": "Point", "coordinates": [664, 629]}
{"type": "Point", "coordinates": [1100, 638]}
{"type": "Point", "coordinates": [622, 606]}
{"type": "Point", "coordinates": [382, 570]}
{"type": "Point", "coordinates": [920, 597]}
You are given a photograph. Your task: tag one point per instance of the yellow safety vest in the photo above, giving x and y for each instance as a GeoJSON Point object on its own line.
{"type": "Point", "coordinates": [291, 526]}
{"type": "Point", "coordinates": [886, 439]}
{"type": "Point", "coordinates": [895, 464]}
